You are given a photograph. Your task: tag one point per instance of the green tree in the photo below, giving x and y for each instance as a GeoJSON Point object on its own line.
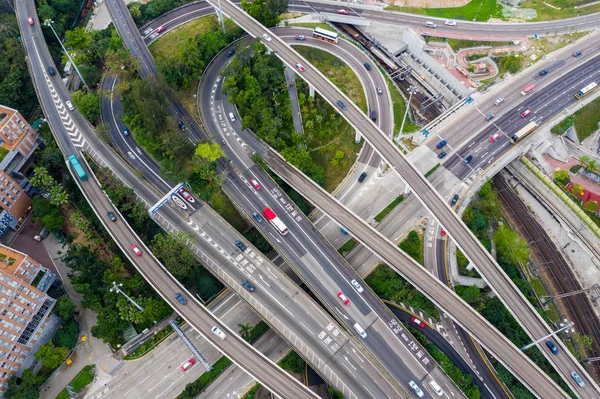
{"type": "Point", "coordinates": [561, 176]}
{"type": "Point", "coordinates": [42, 179]}
{"type": "Point", "coordinates": [29, 387]}
{"type": "Point", "coordinates": [510, 246]}
{"type": "Point", "coordinates": [109, 327]}
{"type": "Point", "coordinates": [51, 356]}
{"type": "Point", "coordinates": [592, 165]}
{"type": "Point", "coordinates": [173, 251]}
{"type": "Point", "coordinates": [334, 393]}
{"type": "Point", "coordinates": [81, 223]}
{"type": "Point", "coordinates": [67, 334]}
{"type": "Point", "coordinates": [471, 294]}
{"type": "Point", "coordinates": [591, 206]}
{"type": "Point", "coordinates": [584, 159]}
{"type": "Point", "coordinates": [88, 104]}
{"type": "Point", "coordinates": [58, 195]}
{"type": "Point", "coordinates": [245, 330]}
{"type": "Point", "coordinates": [64, 308]}
{"type": "Point", "coordinates": [577, 189]}
{"type": "Point", "coordinates": [208, 151]}
{"type": "Point", "coordinates": [53, 221]}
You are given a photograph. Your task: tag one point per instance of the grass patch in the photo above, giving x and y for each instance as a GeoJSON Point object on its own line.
{"type": "Point", "coordinates": [348, 246]}
{"type": "Point", "coordinates": [399, 108]}
{"type": "Point", "coordinates": [540, 290]}
{"type": "Point", "coordinates": [458, 44]}
{"type": "Point", "coordinates": [413, 247]}
{"type": "Point", "coordinates": [3, 153]}
{"type": "Point", "coordinates": [193, 389]}
{"type": "Point", "coordinates": [379, 217]}
{"type": "Point", "coordinates": [585, 120]}
{"type": "Point", "coordinates": [81, 380]}
{"type": "Point", "coordinates": [430, 172]}
{"type": "Point", "coordinates": [251, 393]}
{"type": "Point", "coordinates": [313, 25]}
{"type": "Point", "coordinates": [473, 11]}
{"type": "Point", "coordinates": [331, 138]}
{"type": "Point", "coordinates": [224, 207]}
{"type": "Point", "coordinates": [256, 332]}
{"type": "Point", "coordinates": [150, 344]}
{"type": "Point", "coordinates": [292, 362]}
{"type": "Point", "coordinates": [545, 13]}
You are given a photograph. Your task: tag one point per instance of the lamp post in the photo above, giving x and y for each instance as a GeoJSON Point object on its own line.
{"type": "Point", "coordinates": [563, 326]}
{"type": "Point", "coordinates": [49, 23]}
{"type": "Point", "coordinates": [411, 90]}
{"type": "Point", "coordinates": [116, 288]}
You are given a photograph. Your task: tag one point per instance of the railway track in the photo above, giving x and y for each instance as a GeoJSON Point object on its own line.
{"type": "Point", "coordinates": [558, 270]}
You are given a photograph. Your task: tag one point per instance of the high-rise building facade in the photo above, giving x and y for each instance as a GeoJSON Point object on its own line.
{"type": "Point", "coordinates": [25, 308]}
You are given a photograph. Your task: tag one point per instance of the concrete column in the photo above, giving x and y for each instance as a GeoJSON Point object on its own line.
{"type": "Point", "coordinates": [357, 137]}
{"type": "Point", "coordinates": [311, 91]}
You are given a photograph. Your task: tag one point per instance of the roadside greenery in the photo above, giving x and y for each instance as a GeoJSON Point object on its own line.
{"type": "Point", "coordinates": [463, 262]}
{"type": "Point", "coordinates": [483, 209]}
{"type": "Point", "coordinates": [472, 11]}
{"type": "Point", "coordinates": [348, 246]}
{"type": "Point", "coordinates": [462, 380]}
{"type": "Point", "coordinates": [413, 247]}
{"type": "Point", "coordinates": [585, 120]}
{"type": "Point", "coordinates": [150, 344]}
{"type": "Point", "coordinates": [381, 215]}
{"type": "Point", "coordinates": [334, 393]}
{"type": "Point", "coordinates": [68, 332]}
{"type": "Point", "coordinates": [81, 380]}
{"type": "Point", "coordinates": [430, 171]}
{"type": "Point", "coordinates": [388, 284]}
{"type": "Point", "coordinates": [266, 12]}
{"type": "Point", "coordinates": [252, 333]}
{"type": "Point", "coordinates": [51, 356]}
{"type": "Point", "coordinates": [145, 12]}
{"type": "Point", "coordinates": [193, 389]}
{"type": "Point", "coordinates": [292, 362]}
{"type": "Point", "coordinates": [399, 109]}
{"type": "Point", "coordinates": [29, 387]}
{"type": "Point", "coordinates": [252, 392]}
{"type": "Point", "coordinates": [560, 9]}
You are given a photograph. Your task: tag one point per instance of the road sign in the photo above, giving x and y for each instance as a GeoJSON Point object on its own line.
{"type": "Point", "coordinates": [164, 199]}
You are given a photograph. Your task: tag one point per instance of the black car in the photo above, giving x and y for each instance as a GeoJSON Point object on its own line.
{"type": "Point", "coordinates": [342, 105]}
{"type": "Point", "coordinates": [454, 199]}
{"type": "Point", "coordinates": [247, 285]}
{"type": "Point", "coordinates": [543, 72]}
{"type": "Point", "coordinates": [241, 245]}
{"type": "Point", "coordinates": [362, 177]}
{"type": "Point", "coordinates": [467, 159]}
{"type": "Point", "coordinates": [181, 299]}
{"type": "Point", "coordinates": [230, 52]}
{"type": "Point", "coordinates": [111, 216]}
{"type": "Point", "coordinates": [125, 131]}
{"type": "Point", "coordinates": [577, 53]}
{"type": "Point", "coordinates": [182, 125]}
{"type": "Point", "coordinates": [442, 154]}
{"type": "Point", "coordinates": [51, 71]}
{"type": "Point", "coordinates": [489, 117]}
{"type": "Point", "coordinates": [367, 66]}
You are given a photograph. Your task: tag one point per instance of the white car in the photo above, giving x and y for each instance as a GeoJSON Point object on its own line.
{"type": "Point", "coordinates": [494, 137]}
{"type": "Point", "coordinates": [69, 105]}
{"type": "Point", "coordinates": [379, 90]}
{"type": "Point", "coordinates": [267, 37]}
{"type": "Point", "coordinates": [187, 195]}
{"type": "Point", "coordinates": [450, 22]}
{"type": "Point", "coordinates": [499, 101]}
{"type": "Point", "coordinates": [358, 287]}
{"type": "Point", "coordinates": [218, 332]}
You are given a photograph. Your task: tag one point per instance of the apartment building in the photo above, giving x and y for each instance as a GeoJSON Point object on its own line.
{"type": "Point", "coordinates": [18, 141]}
{"type": "Point", "coordinates": [25, 308]}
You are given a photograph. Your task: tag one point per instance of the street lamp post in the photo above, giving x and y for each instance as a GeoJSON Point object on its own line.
{"type": "Point", "coordinates": [116, 288]}
{"type": "Point", "coordinates": [411, 90]}
{"type": "Point", "coordinates": [563, 326]}
{"type": "Point", "coordinates": [49, 23]}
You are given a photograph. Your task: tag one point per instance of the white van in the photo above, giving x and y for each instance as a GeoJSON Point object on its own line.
{"type": "Point", "coordinates": [430, 24]}
{"type": "Point", "coordinates": [360, 330]}
{"type": "Point", "coordinates": [231, 117]}
{"type": "Point", "coordinates": [218, 332]}
{"type": "Point", "coordinates": [436, 388]}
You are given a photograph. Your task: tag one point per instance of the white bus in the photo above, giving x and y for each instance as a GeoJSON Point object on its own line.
{"type": "Point", "coordinates": [586, 90]}
{"type": "Point", "coordinates": [325, 35]}
{"type": "Point", "coordinates": [530, 127]}
{"type": "Point", "coordinates": [275, 221]}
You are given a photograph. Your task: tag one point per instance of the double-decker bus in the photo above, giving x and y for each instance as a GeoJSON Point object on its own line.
{"type": "Point", "coordinates": [78, 169]}
{"type": "Point", "coordinates": [275, 221]}
{"type": "Point", "coordinates": [530, 127]}
{"type": "Point", "coordinates": [325, 35]}
{"type": "Point", "coordinates": [527, 90]}
{"type": "Point", "coordinates": [586, 90]}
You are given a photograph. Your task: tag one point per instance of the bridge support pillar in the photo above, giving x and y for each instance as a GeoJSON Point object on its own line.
{"type": "Point", "coordinates": [311, 91]}
{"type": "Point", "coordinates": [357, 137]}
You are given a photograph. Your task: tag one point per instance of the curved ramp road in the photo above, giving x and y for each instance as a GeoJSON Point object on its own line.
{"type": "Point", "coordinates": [523, 368]}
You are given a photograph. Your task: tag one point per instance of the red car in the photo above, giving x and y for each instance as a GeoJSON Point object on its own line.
{"type": "Point", "coordinates": [136, 250]}
{"type": "Point", "coordinates": [418, 322]}
{"type": "Point", "coordinates": [255, 183]}
{"type": "Point", "coordinates": [300, 67]}
{"type": "Point", "coordinates": [160, 28]}
{"type": "Point", "coordinates": [188, 364]}
{"type": "Point", "coordinates": [344, 298]}
{"type": "Point", "coordinates": [30, 20]}
{"type": "Point", "coordinates": [343, 12]}
{"type": "Point", "coordinates": [524, 114]}
{"type": "Point", "coordinates": [187, 195]}
{"type": "Point", "coordinates": [494, 137]}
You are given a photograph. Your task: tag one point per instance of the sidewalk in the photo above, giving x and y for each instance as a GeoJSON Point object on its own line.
{"type": "Point", "coordinates": [89, 352]}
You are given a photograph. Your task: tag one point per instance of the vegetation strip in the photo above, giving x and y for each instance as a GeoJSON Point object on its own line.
{"type": "Point", "coordinates": [381, 215]}
{"type": "Point", "coordinates": [81, 380]}
{"type": "Point", "coordinates": [193, 389]}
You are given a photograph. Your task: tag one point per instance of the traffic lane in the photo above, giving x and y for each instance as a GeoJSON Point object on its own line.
{"type": "Point", "coordinates": [173, 20]}
{"type": "Point", "coordinates": [236, 349]}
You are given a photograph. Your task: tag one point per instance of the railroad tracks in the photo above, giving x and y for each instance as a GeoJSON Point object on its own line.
{"type": "Point", "coordinates": [555, 266]}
